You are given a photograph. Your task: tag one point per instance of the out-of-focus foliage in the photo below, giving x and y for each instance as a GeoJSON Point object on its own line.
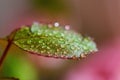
{"type": "Point", "coordinates": [54, 6]}
{"type": "Point", "coordinates": [17, 65]}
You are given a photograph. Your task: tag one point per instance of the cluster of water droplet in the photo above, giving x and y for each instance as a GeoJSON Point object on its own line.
{"type": "Point", "coordinates": [53, 40]}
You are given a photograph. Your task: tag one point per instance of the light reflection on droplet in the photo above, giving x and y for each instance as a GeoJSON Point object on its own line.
{"type": "Point", "coordinates": [36, 23]}
{"type": "Point", "coordinates": [56, 24]}
{"type": "Point", "coordinates": [67, 27]}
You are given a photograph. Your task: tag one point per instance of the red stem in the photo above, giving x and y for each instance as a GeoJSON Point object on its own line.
{"type": "Point", "coordinates": [10, 40]}
{"type": "Point", "coordinates": [5, 52]}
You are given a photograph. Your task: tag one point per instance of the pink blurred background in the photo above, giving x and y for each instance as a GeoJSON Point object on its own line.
{"type": "Point", "coordinates": [99, 19]}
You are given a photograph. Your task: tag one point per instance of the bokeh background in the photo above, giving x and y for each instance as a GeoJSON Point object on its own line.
{"type": "Point", "coordinates": [99, 19]}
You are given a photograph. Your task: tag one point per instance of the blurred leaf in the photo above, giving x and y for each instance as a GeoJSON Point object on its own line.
{"type": "Point", "coordinates": [3, 42]}
{"type": "Point", "coordinates": [8, 78]}
{"type": "Point", "coordinates": [50, 5]}
{"type": "Point", "coordinates": [16, 64]}
{"type": "Point", "coordinates": [13, 48]}
{"type": "Point", "coordinates": [54, 41]}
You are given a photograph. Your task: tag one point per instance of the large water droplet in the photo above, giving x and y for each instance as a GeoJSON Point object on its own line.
{"type": "Point", "coordinates": [56, 24]}
{"type": "Point", "coordinates": [35, 27]}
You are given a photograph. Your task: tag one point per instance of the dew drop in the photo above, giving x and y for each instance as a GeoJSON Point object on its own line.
{"type": "Point", "coordinates": [54, 32]}
{"type": "Point", "coordinates": [64, 52]}
{"type": "Point", "coordinates": [62, 46]}
{"type": "Point", "coordinates": [62, 56]}
{"type": "Point", "coordinates": [39, 41]}
{"type": "Point", "coordinates": [53, 42]}
{"type": "Point", "coordinates": [29, 42]}
{"type": "Point", "coordinates": [67, 27]}
{"type": "Point", "coordinates": [84, 47]}
{"type": "Point", "coordinates": [41, 51]}
{"type": "Point", "coordinates": [56, 53]}
{"type": "Point", "coordinates": [82, 55]}
{"type": "Point", "coordinates": [43, 47]}
{"type": "Point", "coordinates": [50, 34]}
{"type": "Point", "coordinates": [32, 46]}
{"type": "Point", "coordinates": [35, 27]}
{"type": "Point", "coordinates": [58, 50]}
{"type": "Point", "coordinates": [48, 52]}
{"type": "Point", "coordinates": [62, 34]}
{"type": "Point", "coordinates": [48, 47]}
{"type": "Point", "coordinates": [56, 45]}
{"type": "Point", "coordinates": [56, 24]}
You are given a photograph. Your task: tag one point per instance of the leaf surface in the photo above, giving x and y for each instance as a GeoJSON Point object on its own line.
{"type": "Point", "coordinates": [53, 41]}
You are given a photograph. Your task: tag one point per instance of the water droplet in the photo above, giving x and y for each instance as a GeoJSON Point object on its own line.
{"type": "Point", "coordinates": [62, 34]}
{"type": "Point", "coordinates": [50, 34]}
{"type": "Point", "coordinates": [82, 55]}
{"type": "Point", "coordinates": [39, 41]}
{"type": "Point", "coordinates": [64, 52]}
{"type": "Point", "coordinates": [39, 33]}
{"type": "Point", "coordinates": [53, 42]}
{"type": "Point", "coordinates": [41, 51]}
{"type": "Point", "coordinates": [29, 42]}
{"type": "Point", "coordinates": [43, 47]}
{"type": "Point", "coordinates": [56, 44]}
{"type": "Point", "coordinates": [58, 50]}
{"type": "Point", "coordinates": [56, 53]}
{"type": "Point", "coordinates": [62, 56]}
{"type": "Point", "coordinates": [46, 35]}
{"type": "Point", "coordinates": [62, 46]}
{"type": "Point", "coordinates": [72, 48]}
{"type": "Point", "coordinates": [43, 44]}
{"type": "Point", "coordinates": [56, 24]}
{"type": "Point", "coordinates": [54, 32]}
{"type": "Point", "coordinates": [48, 47]}
{"type": "Point", "coordinates": [50, 26]}
{"type": "Point", "coordinates": [32, 46]}
{"type": "Point", "coordinates": [48, 52]}
{"type": "Point", "coordinates": [67, 27]}
{"type": "Point", "coordinates": [84, 47]}
{"type": "Point", "coordinates": [35, 27]}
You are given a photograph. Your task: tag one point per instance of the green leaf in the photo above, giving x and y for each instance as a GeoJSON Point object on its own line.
{"type": "Point", "coordinates": [53, 41]}
{"type": "Point", "coordinates": [18, 65]}
{"type": "Point", "coordinates": [5, 78]}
